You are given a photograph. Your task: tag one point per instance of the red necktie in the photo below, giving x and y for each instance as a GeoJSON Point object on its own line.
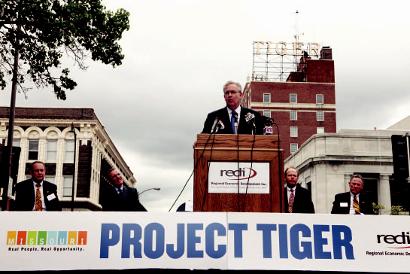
{"type": "Point", "coordinates": [291, 200]}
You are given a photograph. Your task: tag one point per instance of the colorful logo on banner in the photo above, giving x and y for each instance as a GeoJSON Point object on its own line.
{"type": "Point", "coordinates": [41, 240]}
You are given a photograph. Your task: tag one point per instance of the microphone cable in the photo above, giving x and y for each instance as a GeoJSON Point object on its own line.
{"type": "Point", "coordinates": [249, 176]}
{"type": "Point", "coordinates": [195, 166]}
{"type": "Point", "coordinates": [280, 172]}
{"type": "Point", "coordinates": [207, 173]}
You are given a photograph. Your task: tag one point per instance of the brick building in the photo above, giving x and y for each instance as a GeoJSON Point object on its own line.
{"type": "Point", "coordinates": [302, 105]}
{"type": "Point", "coordinates": [75, 147]}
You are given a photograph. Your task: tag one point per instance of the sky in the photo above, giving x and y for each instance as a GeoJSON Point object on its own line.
{"type": "Point", "coordinates": [179, 53]}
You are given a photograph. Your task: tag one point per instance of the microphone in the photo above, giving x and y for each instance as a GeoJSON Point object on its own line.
{"type": "Point", "coordinates": [268, 129]}
{"type": "Point", "coordinates": [217, 125]}
{"type": "Point", "coordinates": [250, 117]}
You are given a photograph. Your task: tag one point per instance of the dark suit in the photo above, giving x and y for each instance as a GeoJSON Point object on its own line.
{"type": "Point", "coordinates": [243, 127]}
{"type": "Point", "coordinates": [342, 199]}
{"type": "Point", "coordinates": [25, 196]}
{"type": "Point", "coordinates": [302, 202]}
{"type": "Point", "coordinates": [128, 200]}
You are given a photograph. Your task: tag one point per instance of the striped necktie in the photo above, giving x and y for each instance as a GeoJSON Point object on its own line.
{"type": "Point", "coordinates": [356, 205]}
{"type": "Point", "coordinates": [38, 205]}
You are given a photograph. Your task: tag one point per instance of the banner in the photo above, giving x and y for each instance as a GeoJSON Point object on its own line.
{"type": "Point", "coordinates": [199, 240]}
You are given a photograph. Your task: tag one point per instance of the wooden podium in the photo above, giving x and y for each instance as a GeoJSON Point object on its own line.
{"type": "Point", "coordinates": [234, 149]}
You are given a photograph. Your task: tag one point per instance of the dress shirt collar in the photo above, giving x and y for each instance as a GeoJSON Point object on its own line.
{"type": "Point", "coordinates": [35, 183]}
{"type": "Point", "coordinates": [237, 110]}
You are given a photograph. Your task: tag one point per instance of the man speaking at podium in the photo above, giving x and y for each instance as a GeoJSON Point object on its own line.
{"type": "Point", "coordinates": [233, 119]}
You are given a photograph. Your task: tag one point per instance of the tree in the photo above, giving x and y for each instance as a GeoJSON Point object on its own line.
{"type": "Point", "coordinates": [39, 32]}
{"type": "Point", "coordinates": [35, 35]}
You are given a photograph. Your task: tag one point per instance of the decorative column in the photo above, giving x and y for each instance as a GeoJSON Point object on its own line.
{"type": "Point", "coordinates": [384, 193]}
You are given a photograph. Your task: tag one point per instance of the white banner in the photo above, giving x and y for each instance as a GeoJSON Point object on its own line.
{"type": "Point", "coordinates": [242, 177]}
{"type": "Point", "coordinates": [193, 240]}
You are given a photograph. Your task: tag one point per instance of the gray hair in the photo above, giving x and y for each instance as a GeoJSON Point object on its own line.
{"type": "Point", "coordinates": [232, 83]}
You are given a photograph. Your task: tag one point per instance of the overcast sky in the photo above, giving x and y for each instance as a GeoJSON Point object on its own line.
{"type": "Point", "coordinates": [179, 53]}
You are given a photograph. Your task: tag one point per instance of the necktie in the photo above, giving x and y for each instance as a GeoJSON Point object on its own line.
{"type": "Point", "coordinates": [234, 121]}
{"type": "Point", "coordinates": [356, 205]}
{"type": "Point", "coordinates": [291, 200]}
{"type": "Point", "coordinates": [38, 205]}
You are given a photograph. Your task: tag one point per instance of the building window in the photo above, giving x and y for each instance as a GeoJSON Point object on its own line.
{"type": "Point", "coordinates": [320, 130]}
{"type": "Point", "coordinates": [266, 97]}
{"type": "Point", "coordinates": [320, 116]}
{"type": "Point", "coordinates": [267, 113]}
{"type": "Point", "coordinates": [51, 179]}
{"type": "Point", "coordinates": [293, 115]}
{"type": "Point", "coordinates": [51, 151]}
{"type": "Point", "coordinates": [16, 142]}
{"type": "Point", "coordinates": [69, 151]}
{"type": "Point", "coordinates": [293, 147]}
{"type": "Point", "coordinates": [293, 98]}
{"type": "Point", "coordinates": [67, 185]}
{"type": "Point", "coordinates": [33, 149]}
{"type": "Point", "coordinates": [320, 99]}
{"type": "Point", "coordinates": [293, 131]}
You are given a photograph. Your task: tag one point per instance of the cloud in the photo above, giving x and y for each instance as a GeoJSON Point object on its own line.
{"type": "Point", "coordinates": [179, 53]}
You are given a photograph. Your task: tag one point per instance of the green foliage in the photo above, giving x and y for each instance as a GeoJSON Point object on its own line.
{"type": "Point", "coordinates": [396, 209]}
{"type": "Point", "coordinates": [42, 31]}
{"type": "Point", "coordinates": [377, 208]}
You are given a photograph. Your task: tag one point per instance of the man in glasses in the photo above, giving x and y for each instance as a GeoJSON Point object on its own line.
{"type": "Point", "coordinates": [233, 118]}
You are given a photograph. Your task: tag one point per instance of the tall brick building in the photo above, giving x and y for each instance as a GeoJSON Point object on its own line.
{"type": "Point", "coordinates": [302, 105]}
{"type": "Point", "coordinates": [75, 147]}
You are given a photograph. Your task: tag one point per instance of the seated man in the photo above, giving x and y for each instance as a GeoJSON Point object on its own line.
{"type": "Point", "coordinates": [234, 119]}
{"type": "Point", "coordinates": [36, 194]}
{"type": "Point", "coordinates": [117, 196]}
{"type": "Point", "coordinates": [353, 202]}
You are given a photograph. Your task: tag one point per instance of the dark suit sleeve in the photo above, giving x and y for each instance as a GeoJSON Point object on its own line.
{"type": "Point", "coordinates": [135, 203]}
{"type": "Point", "coordinates": [260, 123]}
{"type": "Point", "coordinates": [20, 197]}
{"type": "Point", "coordinates": [335, 206]}
{"type": "Point", "coordinates": [366, 206]}
{"type": "Point", "coordinates": [54, 203]}
{"type": "Point", "coordinates": [310, 208]}
{"type": "Point", "coordinates": [339, 198]}
{"type": "Point", "coordinates": [208, 124]}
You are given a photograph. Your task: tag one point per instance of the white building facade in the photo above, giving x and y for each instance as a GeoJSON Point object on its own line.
{"type": "Point", "coordinates": [75, 147]}
{"type": "Point", "coordinates": [326, 162]}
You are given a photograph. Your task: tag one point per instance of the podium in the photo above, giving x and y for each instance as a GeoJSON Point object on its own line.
{"type": "Point", "coordinates": [238, 173]}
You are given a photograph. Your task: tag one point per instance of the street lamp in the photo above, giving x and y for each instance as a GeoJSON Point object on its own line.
{"type": "Point", "coordinates": [152, 188]}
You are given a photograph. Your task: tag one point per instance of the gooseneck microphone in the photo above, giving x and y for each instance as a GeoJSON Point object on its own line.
{"type": "Point", "coordinates": [250, 119]}
{"type": "Point", "coordinates": [217, 125]}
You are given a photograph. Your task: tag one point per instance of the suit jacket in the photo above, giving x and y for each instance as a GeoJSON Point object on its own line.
{"type": "Point", "coordinates": [128, 200]}
{"type": "Point", "coordinates": [243, 127]}
{"type": "Point", "coordinates": [25, 196]}
{"type": "Point", "coordinates": [344, 199]}
{"type": "Point", "coordinates": [302, 202]}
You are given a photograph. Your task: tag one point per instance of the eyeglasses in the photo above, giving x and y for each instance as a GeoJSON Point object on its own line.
{"type": "Point", "coordinates": [227, 92]}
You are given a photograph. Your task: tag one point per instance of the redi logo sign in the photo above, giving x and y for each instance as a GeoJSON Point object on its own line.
{"type": "Point", "coordinates": [402, 240]}
{"type": "Point", "coordinates": [238, 174]}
